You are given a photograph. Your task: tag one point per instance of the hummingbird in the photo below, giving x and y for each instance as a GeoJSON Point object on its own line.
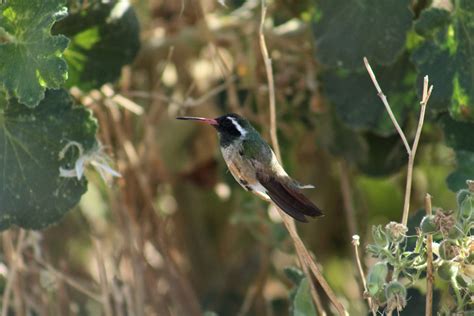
{"type": "Point", "coordinates": [254, 166]}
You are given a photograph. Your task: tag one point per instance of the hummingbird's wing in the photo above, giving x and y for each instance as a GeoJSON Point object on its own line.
{"type": "Point", "coordinates": [288, 198]}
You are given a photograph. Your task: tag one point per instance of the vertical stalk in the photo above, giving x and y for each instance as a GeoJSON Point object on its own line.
{"type": "Point", "coordinates": [429, 262]}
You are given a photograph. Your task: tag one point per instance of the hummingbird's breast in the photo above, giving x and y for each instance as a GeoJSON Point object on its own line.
{"type": "Point", "coordinates": [243, 170]}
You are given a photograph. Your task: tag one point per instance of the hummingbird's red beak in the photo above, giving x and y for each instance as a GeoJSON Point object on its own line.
{"type": "Point", "coordinates": [200, 119]}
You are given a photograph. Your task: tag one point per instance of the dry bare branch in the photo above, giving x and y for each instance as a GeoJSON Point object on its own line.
{"type": "Point", "coordinates": [303, 254]}
{"type": "Point", "coordinates": [356, 243]}
{"type": "Point", "coordinates": [271, 84]}
{"type": "Point", "coordinates": [429, 263]}
{"type": "Point", "coordinates": [411, 156]}
{"type": "Point", "coordinates": [411, 151]}
{"type": "Point", "coordinates": [387, 106]}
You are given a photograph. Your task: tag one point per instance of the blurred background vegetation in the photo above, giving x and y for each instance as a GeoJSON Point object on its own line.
{"type": "Point", "coordinates": [176, 235]}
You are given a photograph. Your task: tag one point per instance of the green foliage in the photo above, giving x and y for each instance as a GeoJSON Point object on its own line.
{"type": "Point", "coordinates": [30, 57]}
{"type": "Point", "coordinates": [300, 296]}
{"type": "Point", "coordinates": [452, 231]}
{"type": "Point", "coordinates": [447, 55]}
{"type": "Point", "coordinates": [458, 135]}
{"type": "Point", "coordinates": [104, 37]}
{"type": "Point", "coordinates": [346, 31]}
{"type": "Point", "coordinates": [32, 193]}
{"type": "Point", "coordinates": [40, 180]}
{"type": "Point", "coordinates": [357, 104]}
{"type": "Point", "coordinates": [463, 172]}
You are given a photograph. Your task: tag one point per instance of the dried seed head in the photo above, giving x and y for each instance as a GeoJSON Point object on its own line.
{"type": "Point", "coordinates": [396, 231]}
{"type": "Point", "coordinates": [396, 295]}
{"type": "Point", "coordinates": [445, 221]}
{"type": "Point", "coordinates": [448, 250]}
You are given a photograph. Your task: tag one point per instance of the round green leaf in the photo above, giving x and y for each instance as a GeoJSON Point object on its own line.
{"type": "Point", "coordinates": [104, 37]}
{"type": "Point", "coordinates": [464, 171]}
{"type": "Point", "coordinates": [447, 57]}
{"type": "Point", "coordinates": [458, 135]}
{"type": "Point", "coordinates": [430, 20]}
{"type": "Point", "coordinates": [302, 304]}
{"type": "Point", "coordinates": [32, 194]}
{"type": "Point", "coordinates": [346, 31]}
{"type": "Point", "coordinates": [30, 58]}
{"type": "Point", "coordinates": [357, 104]}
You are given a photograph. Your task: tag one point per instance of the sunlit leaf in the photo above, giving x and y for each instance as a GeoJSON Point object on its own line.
{"type": "Point", "coordinates": [31, 59]}
{"type": "Point", "coordinates": [32, 193]}
{"type": "Point", "coordinates": [104, 37]}
{"type": "Point", "coordinates": [447, 56]}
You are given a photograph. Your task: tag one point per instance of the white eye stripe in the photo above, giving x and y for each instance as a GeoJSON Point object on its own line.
{"type": "Point", "coordinates": [241, 130]}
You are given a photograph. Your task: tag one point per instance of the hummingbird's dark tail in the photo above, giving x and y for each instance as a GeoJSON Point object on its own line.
{"type": "Point", "coordinates": [289, 199]}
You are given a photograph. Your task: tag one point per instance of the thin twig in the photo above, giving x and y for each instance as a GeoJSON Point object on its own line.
{"type": "Point", "coordinates": [14, 264]}
{"type": "Point", "coordinates": [306, 258]}
{"type": "Point", "coordinates": [411, 156]}
{"type": "Point", "coordinates": [187, 103]}
{"type": "Point", "coordinates": [104, 284]}
{"type": "Point", "coordinates": [429, 263]}
{"type": "Point", "coordinates": [70, 281]}
{"type": "Point", "coordinates": [301, 251]}
{"type": "Point", "coordinates": [387, 106]}
{"type": "Point", "coordinates": [271, 85]}
{"type": "Point", "coordinates": [356, 243]}
{"type": "Point", "coordinates": [411, 151]}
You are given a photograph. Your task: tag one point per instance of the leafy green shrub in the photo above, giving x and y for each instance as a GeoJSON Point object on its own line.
{"type": "Point", "coordinates": [45, 46]}
{"type": "Point", "coordinates": [400, 266]}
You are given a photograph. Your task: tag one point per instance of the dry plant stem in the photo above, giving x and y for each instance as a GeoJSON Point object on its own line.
{"type": "Point", "coordinates": [314, 293]}
{"type": "Point", "coordinates": [429, 263]}
{"type": "Point", "coordinates": [355, 242]}
{"type": "Point", "coordinates": [271, 85]}
{"type": "Point", "coordinates": [14, 265]}
{"type": "Point", "coordinates": [306, 259]}
{"type": "Point", "coordinates": [187, 103]}
{"type": "Point", "coordinates": [411, 156]}
{"type": "Point", "coordinates": [70, 281]}
{"type": "Point", "coordinates": [411, 151]}
{"type": "Point", "coordinates": [387, 106]}
{"type": "Point", "coordinates": [303, 254]}
{"type": "Point", "coordinates": [103, 278]}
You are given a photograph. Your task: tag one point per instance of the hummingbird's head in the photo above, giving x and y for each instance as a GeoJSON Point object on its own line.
{"type": "Point", "coordinates": [229, 126]}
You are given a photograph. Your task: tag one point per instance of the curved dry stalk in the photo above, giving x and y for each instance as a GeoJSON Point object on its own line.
{"type": "Point", "coordinates": [271, 85]}
{"type": "Point", "coordinates": [303, 254]}
{"type": "Point", "coordinates": [306, 259]}
{"type": "Point", "coordinates": [411, 151]}
{"type": "Point", "coordinates": [356, 243]}
{"type": "Point", "coordinates": [429, 263]}
{"type": "Point", "coordinates": [387, 106]}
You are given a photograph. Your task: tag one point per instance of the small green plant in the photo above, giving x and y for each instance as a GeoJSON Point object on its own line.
{"type": "Point", "coordinates": [402, 259]}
